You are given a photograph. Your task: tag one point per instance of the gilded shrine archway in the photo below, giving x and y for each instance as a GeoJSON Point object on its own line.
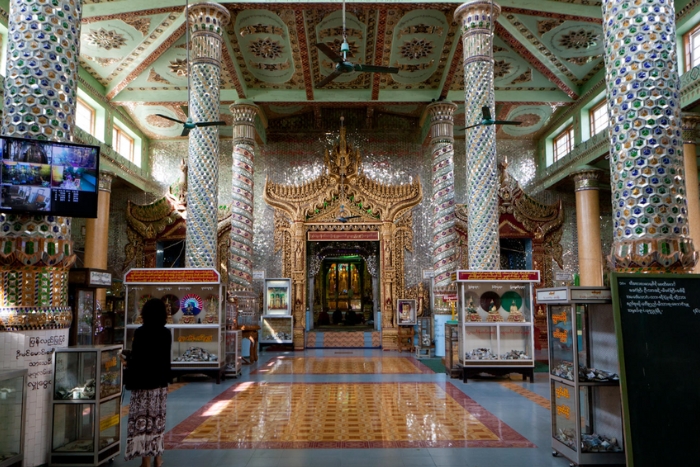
{"type": "Point", "coordinates": [343, 204]}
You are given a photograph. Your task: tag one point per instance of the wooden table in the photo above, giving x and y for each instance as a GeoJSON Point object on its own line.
{"type": "Point", "coordinates": [250, 332]}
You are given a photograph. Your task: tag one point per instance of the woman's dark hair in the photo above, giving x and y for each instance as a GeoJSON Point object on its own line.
{"type": "Point", "coordinates": [154, 313]}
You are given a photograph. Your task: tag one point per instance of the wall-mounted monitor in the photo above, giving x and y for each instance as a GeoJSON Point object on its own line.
{"type": "Point", "coordinates": [48, 178]}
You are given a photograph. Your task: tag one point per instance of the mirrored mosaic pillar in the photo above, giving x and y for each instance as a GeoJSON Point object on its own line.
{"type": "Point", "coordinates": [650, 231]}
{"type": "Point", "coordinates": [445, 259]}
{"type": "Point", "coordinates": [206, 27]}
{"type": "Point", "coordinates": [590, 252]}
{"type": "Point", "coordinates": [691, 122]}
{"type": "Point", "coordinates": [241, 249]}
{"type": "Point", "coordinates": [476, 19]}
{"type": "Point", "coordinates": [36, 251]}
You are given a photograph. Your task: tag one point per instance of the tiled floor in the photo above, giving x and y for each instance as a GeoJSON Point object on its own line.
{"type": "Point", "coordinates": [356, 408]}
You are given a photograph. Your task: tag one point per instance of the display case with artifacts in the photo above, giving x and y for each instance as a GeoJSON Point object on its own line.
{"type": "Point", "coordinates": [496, 334]}
{"type": "Point", "coordinates": [13, 406]}
{"type": "Point", "coordinates": [233, 353]}
{"type": "Point", "coordinates": [426, 346]}
{"type": "Point", "coordinates": [277, 322]}
{"type": "Point", "coordinates": [90, 315]}
{"type": "Point", "coordinates": [243, 313]}
{"type": "Point", "coordinates": [406, 312]}
{"type": "Point", "coordinates": [276, 330]}
{"type": "Point", "coordinates": [193, 300]}
{"type": "Point", "coordinates": [451, 360]}
{"type": "Point", "coordinates": [87, 390]}
{"type": "Point", "coordinates": [116, 312]}
{"type": "Point", "coordinates": [587, 425]}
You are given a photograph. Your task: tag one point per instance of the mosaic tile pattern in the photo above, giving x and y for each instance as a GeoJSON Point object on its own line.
{"type": "Point", "coordinates": [342, 415]}
{"type": "Point", "coordinates": [343, 339]}
{"type": "Point", "coordinates": [476, 19]}
{"type": "Point", "coordinates": [648, 190]}
{"type": "Point", "coordinates": [241, 249]}
{"type": "Point", "coordinates": [445, 251]}
{"type": "Point", "coordinates": [206, 21]}
{"type": "Point", "coordinates": [343, 366]}
{"type": "Point", "coordinates": [536, 398]}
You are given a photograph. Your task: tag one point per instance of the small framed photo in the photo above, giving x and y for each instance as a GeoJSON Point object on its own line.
{"type": "Point", "coordinates": [406, 312]}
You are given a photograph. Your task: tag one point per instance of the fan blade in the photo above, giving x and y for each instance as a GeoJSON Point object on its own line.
{"type": "Point", "coordinates": [504, 122]}
{"type": "Point", "coordinates": [328, 79]}
{"type": "Point", "coordinates": [185, 131]}
{"type": "Point", "coordinates": [201, 124]}
{"type": "Point", "coordinates": [376, 69]}
{"type": "Point", "coordinates": [470, 126]}
{"type": "Point", "coordinates": [170, 118]}
{"type": "Point", "coordinates": [351, 217]}
{"type": "Point", "coordinates": [486, 112]}
{"type": "Point", "coordinates": [328, 52]}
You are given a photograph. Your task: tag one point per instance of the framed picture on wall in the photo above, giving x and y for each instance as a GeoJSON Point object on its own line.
{"type": "Point", "coordinates": [406, 312]}
{"type": "Point", "coordinates": [278, 299]}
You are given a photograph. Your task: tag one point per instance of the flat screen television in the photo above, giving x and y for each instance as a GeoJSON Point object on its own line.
{"type": "Point", "coordinates": [48, 178]}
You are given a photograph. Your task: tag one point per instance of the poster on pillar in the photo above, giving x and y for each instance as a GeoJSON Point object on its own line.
{"type": "Point", "coordinates": [34, 351]}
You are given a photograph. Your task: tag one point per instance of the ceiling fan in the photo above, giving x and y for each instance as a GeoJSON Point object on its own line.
{"type": "Point", "coordinates": [342, 65]}
{"type": "Point", "coordinates": [488, 120]}
{"type": "Point", "coordinates": [189, 124]}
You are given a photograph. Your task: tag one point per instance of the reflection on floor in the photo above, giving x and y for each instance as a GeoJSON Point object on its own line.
{"type": "Point", "coordinates": [308, 419]}
{"type": "Point", "coordinates": [342, 415]}
{"type": "Point", "coordinates": [343, 365]}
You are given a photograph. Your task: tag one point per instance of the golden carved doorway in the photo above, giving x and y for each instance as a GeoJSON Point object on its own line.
{"type": "Point", "coordinates": [344, 205]}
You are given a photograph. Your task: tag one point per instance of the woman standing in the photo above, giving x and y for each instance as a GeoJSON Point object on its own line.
{"type": "Point", "coordinates": [149, 376]}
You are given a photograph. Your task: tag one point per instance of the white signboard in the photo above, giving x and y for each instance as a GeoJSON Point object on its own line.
{"type": "Point", "coordinates": [258, 275]}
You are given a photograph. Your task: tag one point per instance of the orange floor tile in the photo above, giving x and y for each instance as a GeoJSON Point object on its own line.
{"type": "Point", "coordinates": [343, 365]}
{"type": "Point", "coordinates": [536, 398]}
{"type": "Point", "coordinates": [310, 415]}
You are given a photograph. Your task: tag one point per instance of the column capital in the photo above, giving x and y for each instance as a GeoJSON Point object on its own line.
{"type": "Point", "coordinates": [442, 120]}
{"type": "Point", "coordinates": [244, 115]}
{"type": "Point", "coordinates": [587, 178]}
{"type": "Point", "coordinates": [208, 17]}
{"type": "Point", "coordinates": [477, 15]}
{"type": "Point", "coordinates": [690, 123]}
{"type": "Point", "coordinates": [105, 183]}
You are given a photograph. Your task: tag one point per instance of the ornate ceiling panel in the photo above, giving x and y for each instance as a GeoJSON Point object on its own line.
{"type": "Point", "coordinates": [545, 53]}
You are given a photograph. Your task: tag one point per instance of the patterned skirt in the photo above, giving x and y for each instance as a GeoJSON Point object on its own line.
{"type": "Point", "coordinates": [146, 427]}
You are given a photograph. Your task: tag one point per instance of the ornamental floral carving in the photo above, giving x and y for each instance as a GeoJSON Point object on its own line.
{"type": "Point", "coordinates": [178, 66]}
{"type": "Point", "coordinates": [266, 48]}
{"type": "Point", "coordinates": [501, 68]}
{"type": "Point", "coordinates": [416, 49]}
{"type": "Point", "coordinates": [581, 39]}
{"type": "Point", "coordinates": [104, 39]}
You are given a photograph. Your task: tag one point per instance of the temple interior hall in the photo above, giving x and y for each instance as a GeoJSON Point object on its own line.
{"type": "Point", "coordinates": [404, 233]}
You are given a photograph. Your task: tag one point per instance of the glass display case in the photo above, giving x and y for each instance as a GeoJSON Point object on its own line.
{"type": "Point", "coordinates": [584, 381]}
{"type": "Point", "coordinates": [276, 330]}
{"type": "Point", "coordinates": [243, 313]}
{"type": "Point", "coordinates": [234, 340]}
{"type": "Point", "coordinates": [13, 402]}
{"type": "Point", "coordinates": [87, 390]}
{"type": "Point", "coordinates": [82, 296]}
{"type": "Point", "coordinates": [452, 349]}
{"type": "Point", "coordinates": [193, 299]}
{"type": "Point", "coordinates": [114, 310]}
{"type": "Point", "coordinates": [425, 347]}
{"type": "Point", "coordinates": [278, 297]}
{"type": "Point", "coordinates": [495, 310]}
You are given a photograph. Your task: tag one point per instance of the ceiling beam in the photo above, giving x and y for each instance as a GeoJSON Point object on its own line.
{"type": "Point", "coordinates": [379, 52]}
{"type": "Point", "coordinates": [527, 51]}
{"type": "Point", "coordinates": [121, 7]}
{"type": "Point", "coordinates": [232, 66]}
{"type": "Point", "coordinates": [304, 54]}
{"type": "Point", "coordinates": [151, 53]}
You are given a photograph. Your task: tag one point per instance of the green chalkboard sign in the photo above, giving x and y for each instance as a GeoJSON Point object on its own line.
{"type": "Point", "coordinates": [657, 322]}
